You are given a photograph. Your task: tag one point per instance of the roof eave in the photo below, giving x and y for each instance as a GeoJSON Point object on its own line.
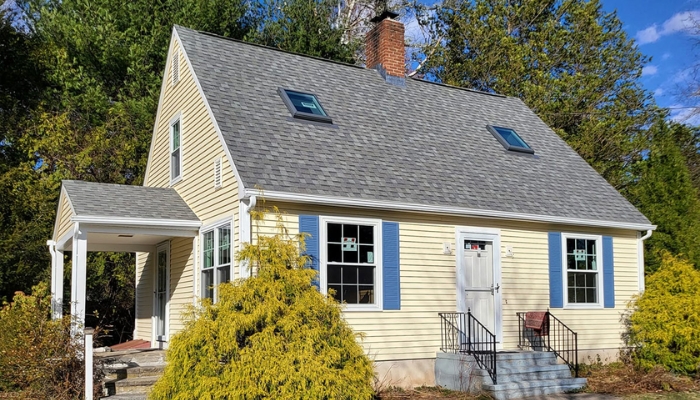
{"type": "Point", "coordinates": [438, 209]}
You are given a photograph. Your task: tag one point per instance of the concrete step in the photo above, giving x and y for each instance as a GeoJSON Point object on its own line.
{"type": "Point", "coordinates": [523, 355]}
{"type": "Point", "coordinates": [534, 384]}
{"type": "Point", "coordinates": [133, 358]}
{"type": "Point", "coordinates": [130, 385]}
{"type": "Point", "coordinates": [133, 372]}
{"type": "Point", "coordinates": [532, 373]}
{"type": "Point", "coordinates": [537, 392]}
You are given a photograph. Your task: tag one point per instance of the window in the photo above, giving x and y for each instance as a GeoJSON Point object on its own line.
{"type": "Point", "coordinates": [175, 152]}
{"type": "Point", "coordinates": [304, 106]}
{"type": "Point", "coordinates": [583, 265]}
{"type": "Point", "coordinates": [351, 266]}
{"type": "Point", "coordinates": [216, 259]}
{"type": "Point", "coordinates": [510, 139]}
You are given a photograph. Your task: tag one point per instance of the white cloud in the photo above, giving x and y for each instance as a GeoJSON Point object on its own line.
{"type": "Point", "coordinates": [679, 22]}
{"type": "Point", "coordinates": [666, 56]}
{"type": "Point", "coordinates": [659, 91]}
{"type": "Point", "coordinates": [649, 70]}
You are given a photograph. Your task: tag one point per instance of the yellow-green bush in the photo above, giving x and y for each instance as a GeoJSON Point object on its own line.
{"type": "Point", "coordinates": [665, 325]}
{"type": "Point", "coordinates": [38, 357]}
{"type": "Point", "coordinates": [270, 336]}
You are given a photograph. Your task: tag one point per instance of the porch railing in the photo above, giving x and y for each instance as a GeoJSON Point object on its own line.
{"type": "Point", "coordinates": [463, 333]}
{"type": "Point", "coordinates": [555, 337]}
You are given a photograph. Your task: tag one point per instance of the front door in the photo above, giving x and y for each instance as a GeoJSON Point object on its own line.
{"type": "Point", "coordinates": [479, 286]}
{"type": "Point", "coordinates": [161, 293]}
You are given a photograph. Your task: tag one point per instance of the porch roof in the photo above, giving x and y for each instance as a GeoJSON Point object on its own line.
{"type": "Point", "coordinates": [121, 217]}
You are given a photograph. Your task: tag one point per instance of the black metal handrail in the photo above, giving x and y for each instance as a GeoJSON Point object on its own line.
{"type": "Point", "coordinates": [463, 333]}
{"type": "Point", "coordinates": [554, 336]}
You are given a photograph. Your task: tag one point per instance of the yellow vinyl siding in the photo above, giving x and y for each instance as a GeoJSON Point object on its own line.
{"type": "Point", "coordinates": [144, 295]}
{"type": "Point", "coordinates": [428, 280]}
{"type": "Point", "coordinates": [200, 146]}
{"type": "Point", "coordinates": [64, 215]}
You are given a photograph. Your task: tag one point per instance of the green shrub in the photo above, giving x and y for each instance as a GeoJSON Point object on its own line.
{"type": "Point", "coordinates": [665, 325]}
{"type": "Point", "coordinates": [38, 357]}
{"type": "Point", "coordinates": [270, 336]}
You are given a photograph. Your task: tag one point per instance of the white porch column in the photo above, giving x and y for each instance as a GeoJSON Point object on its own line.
{"type": "Point", "coordinates": [79, 278]}
{"type": "Point", "coordinates": [56, 280]}
{"type": "Point", "coordinates": [244, 225]}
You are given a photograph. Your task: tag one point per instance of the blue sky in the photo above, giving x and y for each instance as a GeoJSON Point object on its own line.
{"type": "Point", "coordinates": [661, 29]}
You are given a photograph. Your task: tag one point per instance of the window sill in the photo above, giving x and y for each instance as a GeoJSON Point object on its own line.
{"type": "Point", "coordinates": [176, 180]}
{"type": "Point", "coordinates": [361, 308]}
{"type": "Point", "coordinates": [583, 307]}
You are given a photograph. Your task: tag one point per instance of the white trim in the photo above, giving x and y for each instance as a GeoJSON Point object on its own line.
{"type": "Point", "coordinates": [213, 227]}
{"type": "Point", "coordinates": [244, 232]}
{"type": "Point", "coordinates": [492, 235]}
{"type": "Point", "coordinates": [119, 248]}
{"type": "Point", "coordinates": [599, 271]}
{"type": "Point", "coordinates": [136, 230]}
{"type": "Point", "coordinates": [378, 265]}
{"type": "Point", "coordinates": [136, 297]}
{"type": "Point", "coordinates": [640, 259]}
{"type": "Point", "coordinates": [149, 222]}
{"type": "Point", "coordinates": [163, 86]}
{"type": "Point", "coordinates": [437, 209]}
{"type": "Point", "coordinates": [176, 119]}
{"type": "Point", "coordinates": [241, 187]}
{"type": "Point", "coordinates": [155, 342]}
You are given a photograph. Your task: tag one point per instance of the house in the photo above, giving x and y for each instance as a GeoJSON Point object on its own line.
{"type": "Point", "coordinates": [419, 199]}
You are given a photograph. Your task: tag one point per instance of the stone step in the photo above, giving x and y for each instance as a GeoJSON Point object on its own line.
{"type": "Point", "coordinates": [127, 396]}
{"type": "Point", "coordinates": [522, 385]}
{"type": "Point", "coordinates": [130, 385]}
{"type": "Point", "coordinates": [133, 372]}
{"type": "Point", "coordinates": [536, 392]}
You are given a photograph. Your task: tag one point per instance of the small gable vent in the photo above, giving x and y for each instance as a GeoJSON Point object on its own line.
{"type": "Point", "coordinates": [217, 173]}
{"type": "Point", "coordinates": [175, 68]}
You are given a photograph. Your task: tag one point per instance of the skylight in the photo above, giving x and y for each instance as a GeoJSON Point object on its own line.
{"type": "Point", "coordinates": [510, 139]}
{"type": "Point", "coordinates": [304, 105]}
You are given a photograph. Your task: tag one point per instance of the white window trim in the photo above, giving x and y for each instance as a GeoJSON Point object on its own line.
{"type": "Point", "coordinates": [173, 120]}
{"type": "Point", "coordinates": [379, 267]}
{"type": "Point", "coordinates": [208, 228]}
{"type": "Point", "coordinates": [599, 262]}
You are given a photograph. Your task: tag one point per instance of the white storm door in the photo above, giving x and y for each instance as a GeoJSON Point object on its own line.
{"type": "Point", "coordinates": [479, 286]}
{"type": "Point", "coordinates": [161, 293]}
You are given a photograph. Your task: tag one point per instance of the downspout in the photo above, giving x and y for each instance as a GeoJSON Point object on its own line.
{"type": "Point", "coordinates": [245, 234]}
{"type": "Point", "coordinates": [640, 258]}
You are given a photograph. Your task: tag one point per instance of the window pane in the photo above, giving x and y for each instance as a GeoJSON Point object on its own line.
{"type": "Point", "coordinates": [224, 274]}
{"type": "Point", "coordinates": [570, 246]}
{"type": "Point", "coordinates": [591, 263]}
{"type": "Point", "coordinates": [366, 275]}
{"type": "Point", "coordinates": [337, 290]}
{"type": "Point", "coordinates": [591, 296]}
{"type": "Point", "coordinates": [350, 231]}
{"type": "Point", "coordinates": [208, 284]}
{"type": "Point", "coordinates": [335, 252]}
{"type": "Point", "coordinates": [580, 295]}
{"type": "Point", "coordinates": [591, 280]}
{"type": "Point", "coordinates": [350, 294]}
{"type": "Point", "coordinates": [590, 246]}
{"type": "Point", "coordinates": [334, 274]}
{"type": "Point", "coordinates": [224, 245]}
{"type": "Point", "coordinates": [350, 256]}
{"type": "Point", "coordinates": [176, 135]}
{"type": "Point", "coordinates": [367, 254]}
{"type": "Point", "coordinates": [305, 103]}
{"type": "Point", "coordinates": [175, 163]}
{"type": "Point", "coordinates": [335, 233]}
{"type": "Point", "coordinates": [366, 295]}
{"type": "Point", "coordinates": [349, 275]}
{"type": "Point", "coordinates": [570, 261]}
{"type": "Point", "coordinates": [208, 249]}
{"type": "Point", "coordinates": [572, 295]}
{"type": "Point", "coordinates": [511, 137]}
{"type": "Point", "coordinates": [366, 234]}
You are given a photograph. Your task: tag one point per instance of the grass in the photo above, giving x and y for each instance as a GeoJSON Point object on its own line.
{"type": "Point", "coordinates": [621, 379]}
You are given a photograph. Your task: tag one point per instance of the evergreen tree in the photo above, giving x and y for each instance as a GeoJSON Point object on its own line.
{"type": "Point", "coordinates": [568, 60]}
{"type": "Point", "coordinates": [665, 193]}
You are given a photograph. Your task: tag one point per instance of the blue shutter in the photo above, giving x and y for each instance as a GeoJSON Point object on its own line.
{"type": "Point", "coordinates": [556, 285]}
{"type": "Point", "coordinates": [309, 224]}
{"type": "Point", "coordinates": [390, 263]}
{"type": "Point", "coordinates": [608, 273]}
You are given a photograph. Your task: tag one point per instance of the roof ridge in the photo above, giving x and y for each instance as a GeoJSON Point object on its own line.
{"type": "Point", "coordinates": [214, 35]}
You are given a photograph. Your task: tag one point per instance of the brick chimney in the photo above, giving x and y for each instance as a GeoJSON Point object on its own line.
{"type": "Point", "coordinates": [384, 48]}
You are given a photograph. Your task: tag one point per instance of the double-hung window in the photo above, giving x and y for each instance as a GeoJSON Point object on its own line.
{"type": "Point", "coordinates": [216, 259]}
{"type": "Point", "coordinates": [583, 270]}
{"type": "Point", "coordinates": [175, 150]}
{"type": "Point", "coordinates": [351, 262]}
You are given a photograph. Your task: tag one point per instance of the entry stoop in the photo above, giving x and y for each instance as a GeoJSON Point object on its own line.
{"type": "Point", "coordinates": [519, 374]}
{"type": "Point", "coordinates": [130, 375]}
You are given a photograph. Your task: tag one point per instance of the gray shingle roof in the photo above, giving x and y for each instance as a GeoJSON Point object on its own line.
{"type": "Point", "coordinates": [127, 201]}
{"type": "Point", "coordinates": [423, 143]}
